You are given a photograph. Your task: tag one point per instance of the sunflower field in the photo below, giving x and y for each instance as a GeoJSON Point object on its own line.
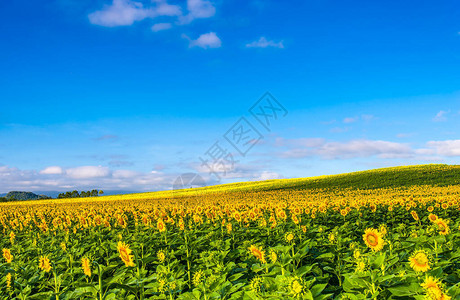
{"type": "Point", "coordinates": [229, 243]}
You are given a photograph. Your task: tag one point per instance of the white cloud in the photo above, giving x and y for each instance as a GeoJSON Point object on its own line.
{"type": "Point", "coordinates": [206, 40]}
{"type": "Point", "coordinates": [124, 174]}
{"type": "Point", "coordinates": [441, 116]}
{"type": "Point", "coordinates": [126, 12]}
{"type": "Point", "coordinates": [267, 175]}
{"type": "Point", "coordinates": [198, 9]}
{"type": "Point", "coordinates": [53, 170]}
{"type": "Point", "coordinates": [445, 148]}
{"type": "Point", "coordinates": [350, 149]}
{"type": "Point", "coordinates": [82, 178]}
{"type": "Point", "coordinates": [88, 172]}
{"type": "Point", "coordinates": [264, 43]}
{"type": "Point", "coordinates": [350, 120]}
{"type": "Point", "coordinates": [161, 26]}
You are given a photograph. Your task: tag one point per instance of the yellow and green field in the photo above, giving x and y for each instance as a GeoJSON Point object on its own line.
{"type": "Point", "coordinates": [382, 234]}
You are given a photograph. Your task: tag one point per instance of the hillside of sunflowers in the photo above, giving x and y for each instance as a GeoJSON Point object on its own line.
{"type": "Point", "coordinates": [389, 233]}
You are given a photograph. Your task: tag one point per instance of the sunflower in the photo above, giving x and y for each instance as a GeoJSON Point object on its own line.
{"type": "Point", "coordinates": [432, 217]}
{"type": "Point", "coordinates": [414, 215]}
{"type": "Point", "coordinates": [295, 219]}
{"type": "Point", "coordinates": [373, 208]}
{"type": "Point", "coordinates": [383, 230]}
{"type": "Point", "coordinates": [161, 256]}
{"type": "Point", "coordinates": [161, 225]}
{"type": "Point", "coordinates": [430, 208]}
{"type": "Point", "coordinates": [419, 261]}
{"type": "Point", "coordinates": [258, 253]}
{"type": "Point", "coordinates": [296, 286]}
{"type": "Point", "coordinates": [430, 283]}
{"type": "Point", "coordinates": [273, 256]}
{"type": "Point", "coordinates": [433, 289]}
{"type": "Point", "coordinates": [331, 237]}
{"type": "Point", "coordinates": [12, 237]}
{"type": "Point", "coordinates": [44, 263]}
{"type": "Point", "coordinates": [360, 266]}
{"type": "Point", "coordinates": [198, 277]}
{"type": "Point", "coordinates": [442, 225]}
{"type": "Point", "coordinates": [86, 266]}
{"type": "Point", "coordinates": [7, 255]}
{"type": "Point", "coordinates": [8, 280]}
{"type": "Point", "coordinates": [256, 284]}
{"type": "Point", "coordinates": [373, 239]}
{"type": "Point", "coordinates": [289, 237]}
{"type": "Point", "coordinates": [229, 227]}
{"type": "Point", "coordinates": [125, 254]}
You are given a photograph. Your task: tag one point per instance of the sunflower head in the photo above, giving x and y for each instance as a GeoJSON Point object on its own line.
{"type": "Point", "coordinates": [273, 256]}
{"type": "Point", "coordinates": [7, 255]}
{"type": "Point", "coordinates": [442, 225]}
{"type": "Point", "coordinates": [86, 266]}
{"type": "Point", "coordinates": [419, 261]}
{"type": "Point", "coordinates": [125, 254]}
{"type": "Point", "coordinates": [383, 229]}
{"type": "Point", "coordinates": [8, 280]}
{"type": "Point", "coordinates": [432, 217]}
{"type": "Point", "coordinates": [297, 286]}
{"type": "Point", "coordinates": [360, 266]}
{"type": "Point", "coordinates": [256, 284]}
{"type": "Point", "coordinates": [258, 253]}
{"type": "Point", "coordinates": [161, 256]}
{"type": "Point", "coordinates": [161, 225]}
{"type": "Point", "coordinates": [44, 263]}
{"type": "Point", "coordinates": [373, 239]}
{"type": "Point", "coordinates": [289, 237]}
{"type": "Point", "coordinates": [198, 278]}
{"type": "Point", "coordinates": [433, 289]}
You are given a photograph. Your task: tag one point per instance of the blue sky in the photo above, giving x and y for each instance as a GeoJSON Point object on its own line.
{"type": "Point", "coordinates": [128, 95]}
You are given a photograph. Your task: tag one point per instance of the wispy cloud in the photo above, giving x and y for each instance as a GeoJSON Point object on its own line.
{"type": "Point", "coordinates": [205, 41]}
{"type": "Point", "coordinates": [126, 12]}
{"type": "Point", "coordinates": [264, 43]}
{"type": "Point", "coordinates": [161, 26]}
{"type": "Point", "coordinates": [350, 120]}
{"type": "Point", "coordinates": [86, 172]}
{"type": "Point", "coordinates": [344, 150]}
{"type": "Point", "coordinates": [441, 116]}
{"type": "Point", "coordinates": [197, 9]}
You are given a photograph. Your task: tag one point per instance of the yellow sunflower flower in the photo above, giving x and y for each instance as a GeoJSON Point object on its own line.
{"type": "Point", "coordinates": [373, 239]}
{"type": "Point", "coordinates": [125, 254]}
{"type": "Point", "coordinates": [419, 261]}
{"type": "Point", "coordinates": [44, 264]}
{"type": "Point", "coordinates": [7, 255]}
{"type": "Point", "coordinates": [258, 253]}
{"type": "Point", "coordinates": [442, 225]}
{"type": "Point", "coordinates": [86, 266]}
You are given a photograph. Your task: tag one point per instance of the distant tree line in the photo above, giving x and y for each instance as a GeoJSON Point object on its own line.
{"type": "Point", "coordinates": [22, 196]}
{"type": "Point", "coordinates": [82, 194]}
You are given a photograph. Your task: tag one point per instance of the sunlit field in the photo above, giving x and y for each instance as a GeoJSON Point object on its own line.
{"type": "Point", "coordinates": [383, 234]}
